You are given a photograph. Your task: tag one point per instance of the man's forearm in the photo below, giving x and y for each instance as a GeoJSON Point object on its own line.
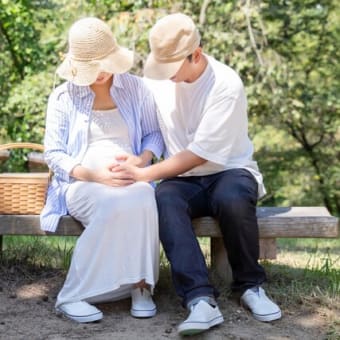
{"type": "Point", "coordinates": [173, 166]}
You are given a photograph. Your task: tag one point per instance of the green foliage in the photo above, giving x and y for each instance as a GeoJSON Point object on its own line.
{"type": "Point", "coordinates": [24, 56]}
{"type": "Point", "coordinates": [303, 82]}
{"type": "Point", "coordinates": [286, 52]}
{"type": "Point", "coordinates": [24, 109]}
{"type": "Point", "coordinates": [19, 36]}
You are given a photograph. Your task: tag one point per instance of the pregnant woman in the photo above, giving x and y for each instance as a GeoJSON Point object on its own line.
{"type": "Point", "coordinates": [101, 114]}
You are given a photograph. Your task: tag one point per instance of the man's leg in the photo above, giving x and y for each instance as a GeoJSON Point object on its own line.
{"type": "Point", "coordinates": [233, 196]}
{"type": "Point", "coordinates": [179, 200]}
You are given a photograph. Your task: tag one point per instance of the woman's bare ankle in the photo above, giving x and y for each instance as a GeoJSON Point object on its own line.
{"type": "Point", "coordinates": [142, 285]}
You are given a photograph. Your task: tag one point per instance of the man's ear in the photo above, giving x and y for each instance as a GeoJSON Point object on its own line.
{"type": "Point", "coordinates": [197, 55]}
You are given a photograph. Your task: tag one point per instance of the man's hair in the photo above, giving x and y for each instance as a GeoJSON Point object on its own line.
{"type": "Point", "coordinates": [189, 57]}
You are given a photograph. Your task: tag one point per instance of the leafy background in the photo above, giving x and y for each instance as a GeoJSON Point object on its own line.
{"type": "Point", "coordinates": [287, 53]}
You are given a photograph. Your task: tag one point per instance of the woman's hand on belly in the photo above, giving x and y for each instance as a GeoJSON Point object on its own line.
{"type": "Point", "coordinates": [102, 175]}
{"type": "Point", "coordinates": [141, 161]}
{"type": "Point", "coordinates": [113, 179]}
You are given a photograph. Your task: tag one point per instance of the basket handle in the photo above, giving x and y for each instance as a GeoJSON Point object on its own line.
{"type": "Point", "coordinates": [19, 145]}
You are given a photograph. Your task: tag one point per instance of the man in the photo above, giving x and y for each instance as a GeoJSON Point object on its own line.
{"type": "Point", "coordinates": [208, 171]}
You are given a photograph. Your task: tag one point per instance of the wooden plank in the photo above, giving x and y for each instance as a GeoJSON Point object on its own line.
{"type": "Point", "coordinates": [273, 222]}
{"type": "Point", "coordinates": [30, 225]}
{"type": "Point", "coordinates": [268, 248]}
{"type": "Point", "coordinates": [36, 157]}
{"type": "Point", "coordinates": [219, 258]}
{"type": "Point", "coordinates": [283, 222]}
{"type": "Point", "coordinates": [69, 226]}
{"type": "Point", "coordinates": [4, 155]}
{"type": "Point", "coordinates": [36, 162]}
{"type": "Point", "coordinates": [297, 222]}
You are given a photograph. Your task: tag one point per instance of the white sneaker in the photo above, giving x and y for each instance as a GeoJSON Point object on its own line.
{"type": "Point", "coordinates": [262, 308]}
{"type": "Point", "coordinates": [80, 311]}
{"type": "Point", "coordinates": [202, 317]}
{"type": "Point", "coordinates": [142, 304]}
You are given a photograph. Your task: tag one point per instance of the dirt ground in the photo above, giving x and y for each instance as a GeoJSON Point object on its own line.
{"type": "Point", "coordinates": [27, 312]}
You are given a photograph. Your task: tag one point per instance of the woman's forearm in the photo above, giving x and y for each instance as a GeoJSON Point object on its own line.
{"type": "Point", "coordinates": [146, 157]}
{"type": "Point", "coordinates": [83, 174]}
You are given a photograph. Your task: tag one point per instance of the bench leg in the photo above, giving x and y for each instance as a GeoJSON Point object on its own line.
{"type": "Point", "coordinates": [1, 244]}
{"type": "Point", "coordinates": [268, 248]}
{"type": "Point", "coordinates": [219, 259]}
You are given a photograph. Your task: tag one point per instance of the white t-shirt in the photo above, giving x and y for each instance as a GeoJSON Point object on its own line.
{"type": "Point", "coordinates": [209, 118]}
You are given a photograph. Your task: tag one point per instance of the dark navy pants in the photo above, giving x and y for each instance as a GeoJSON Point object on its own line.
{"type": "Point", "coordinates": [231, 197]}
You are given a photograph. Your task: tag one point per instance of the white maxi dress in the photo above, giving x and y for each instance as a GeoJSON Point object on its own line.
{"type": "Point", "coordinates": [120, 243]}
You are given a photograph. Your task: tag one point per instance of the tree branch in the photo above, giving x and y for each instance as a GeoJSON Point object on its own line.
{"type": "Point", "coordinates": [246, 11]}
{"type": "Point", "coordinates": [203, 12]}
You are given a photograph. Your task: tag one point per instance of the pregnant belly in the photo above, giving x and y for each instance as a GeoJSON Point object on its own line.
{"type": "Point", "coordinates": [99, 157]}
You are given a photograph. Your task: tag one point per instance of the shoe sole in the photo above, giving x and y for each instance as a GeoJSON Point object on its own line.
{"type": "Point", "coordinates": [81, 319]}
{"type": "Point", "coordinates": [267, 317]}
{"type": "Point", "coordinates": [143, 313]}
{"type": "Point", "coordinates": [192, 328]}
{"type": "Point", "coordinates": [263, 317]}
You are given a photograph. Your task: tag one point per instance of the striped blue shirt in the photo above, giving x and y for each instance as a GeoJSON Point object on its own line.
{"type": "Point", "coordinates": [67, 125]}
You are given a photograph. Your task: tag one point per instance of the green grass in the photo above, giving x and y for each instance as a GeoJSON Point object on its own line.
{"type": "Point", "coordinates": [303, 266]}
{"type": "Point", "coordinates": [309, 266]}
{"type": "Point", "coordinates": [39, 251]}
{"type": "Point", "coordinates": [310, 254]}
{"type": "Point", "coordinates": [306, 275]}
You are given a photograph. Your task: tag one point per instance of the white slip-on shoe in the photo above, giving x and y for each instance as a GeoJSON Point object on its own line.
{"type": "Point", "coordinates": [142, 305]}
{"type": "Point", "coordinates": [202, 317]}
{"type": "Point", "coordinates": [80, 311]}
{"type": "Point", "coordinates": [262, 308]}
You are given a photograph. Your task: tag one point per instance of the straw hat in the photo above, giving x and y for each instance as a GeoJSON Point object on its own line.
{"type": "Point", "coordinates": [93, 49]}
{"type": "Point", "coordinates": [172, 39]}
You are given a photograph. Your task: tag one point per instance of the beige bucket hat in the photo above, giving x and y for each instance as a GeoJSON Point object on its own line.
{"type": "Point", "coordinates": [93, 49]}
{"type": "Point", "coordinates": [172, 39]}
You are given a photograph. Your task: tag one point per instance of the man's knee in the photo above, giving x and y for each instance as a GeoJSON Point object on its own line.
{"type": "Point", "coordinates": [168, 198]}
{"type": "Point", "coordinates": [235, 203]}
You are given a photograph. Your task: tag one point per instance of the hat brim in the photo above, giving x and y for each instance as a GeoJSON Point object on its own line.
{"type": "Point", "coordinates": [84, 73]}
{"type": "Point", "coordinates": [153, 69]}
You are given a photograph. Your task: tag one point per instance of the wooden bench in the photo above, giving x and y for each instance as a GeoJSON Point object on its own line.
{"type": "Point", "coordinates": [274, 222]}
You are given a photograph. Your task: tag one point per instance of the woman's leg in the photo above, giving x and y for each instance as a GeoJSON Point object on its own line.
{"type": "Point", "coordinates": [119, 246]}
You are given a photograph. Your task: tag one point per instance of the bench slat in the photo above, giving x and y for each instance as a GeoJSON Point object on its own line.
{"type": "Point", "coordinates": [273, 222]}
{"type": "Point", "coordinates": [282, 222]}
{"type": "Point", "coordinates": [30, 225]}
{"type": "Point", "coordinates": [273, 227]}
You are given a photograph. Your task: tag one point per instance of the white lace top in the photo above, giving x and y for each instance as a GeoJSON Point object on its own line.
{"type": "Point", "coordinates": [108, 137]}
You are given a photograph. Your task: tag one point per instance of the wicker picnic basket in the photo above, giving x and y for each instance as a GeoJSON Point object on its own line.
{"type": "Point", "coordinates": [22, 193]}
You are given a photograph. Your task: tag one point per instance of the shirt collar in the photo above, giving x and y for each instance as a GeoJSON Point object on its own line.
{"type": "Point", "coordinates": [79, 91]}
{"type": "Point", "coordinates": [117, 81]}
